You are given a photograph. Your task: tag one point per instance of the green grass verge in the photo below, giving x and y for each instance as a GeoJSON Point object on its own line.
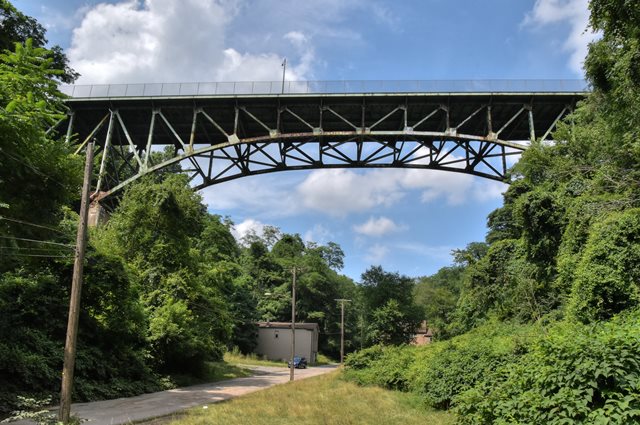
{"type": "Point", "coordinates": [321, 360]}
{"type": "Point", "coordinates": [236, 358]}
{"type": "Point", "coordinates": [325, 399]}
{"type": "Point", "coordinates": [212, 372]}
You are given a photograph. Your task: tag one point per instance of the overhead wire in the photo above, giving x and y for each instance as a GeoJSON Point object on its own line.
{"type": "Point", "coordinates": [27, 248]}
{"type": "Point", "coordinates": [36, 255]}
{"type": "Point", "coordinates": [38, 241]}
{"type": "Point", "coordinates": [37, 171]}
{"type": "Point", "coordinates": [28, 223]}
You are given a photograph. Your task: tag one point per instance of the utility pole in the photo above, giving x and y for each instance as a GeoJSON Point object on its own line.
{"type": "Point", "coordinates": [284, 71]}
{"type": "Point", "coordinates": [76, 288]}
{"type": "Point", "coordinates": [293, 323]}
{"type": "Point", "coordinates": [342, 301]}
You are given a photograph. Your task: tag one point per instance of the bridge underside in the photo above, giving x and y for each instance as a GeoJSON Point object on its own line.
{"type": "Point", "coordinates": [216, 139]}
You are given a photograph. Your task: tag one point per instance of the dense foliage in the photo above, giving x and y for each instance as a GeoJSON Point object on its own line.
{"type": "Point", "coordinates": [390, 312]}
{"type": "Point", "coordinates": [18, 28]}
{"type": "Point", "coordinates": [579, 374]}
{"type": "Point", "coordinates": [504, 373]}
{"type": "Point", "coordinates": [560, 265]}
{"type": "Point", "coordinates": [167, 288]}
{"type": "Point", "coordinates": [538, 324]}
{"type": "Point", "coordinates": [440, 371]}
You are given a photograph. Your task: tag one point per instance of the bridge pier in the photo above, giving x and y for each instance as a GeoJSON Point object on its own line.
{"type": "Point", "coordinates": [98, 214]}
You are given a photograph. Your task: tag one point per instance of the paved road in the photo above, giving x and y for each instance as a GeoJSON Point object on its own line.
{"type": "Point", "coordinates": [146, 406]}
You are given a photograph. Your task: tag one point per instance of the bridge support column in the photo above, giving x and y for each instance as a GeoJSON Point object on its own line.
{"type": "Point", "coordinates": [97, 214]}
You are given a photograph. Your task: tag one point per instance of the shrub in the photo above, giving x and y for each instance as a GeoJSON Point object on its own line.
{"type": "Point", "coordinates": [444, 369]}
{"type": "Point", "coordinates": [385, 366]}
{"type": "Point", "coordinates": [606, 279]}
{"type": "Point", "coordinates": [577, 374]}
{"type": "Point", "coordinates": [440, 371]}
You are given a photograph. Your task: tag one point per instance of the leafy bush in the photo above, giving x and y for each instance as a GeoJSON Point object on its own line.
{"type": "Point", "coordinates": [111, 358]}
{"type": "Point", "coordinates": [444, 369]}
{"type": "Point", "coordinates": [439, 371]}
{"type": "Point", "coordinates": [607, 276]}
{"type": "Point", "coordinates": [385, 366]}
{"type": "Point", "coordinates": [577, 374]}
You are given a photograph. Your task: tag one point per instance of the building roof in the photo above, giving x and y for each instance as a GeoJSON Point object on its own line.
{"type": "Point", "coordinates": [287, 325]}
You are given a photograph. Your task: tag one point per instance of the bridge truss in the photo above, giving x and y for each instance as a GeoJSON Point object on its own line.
{"type": "Point", "coordinates": [220, 138]}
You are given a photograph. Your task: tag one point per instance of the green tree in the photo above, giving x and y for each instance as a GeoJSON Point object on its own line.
{"type": "Point", "coordinates": [607, 276]}
{"type": "Point", "coordinates": [158, 228]}
{"type": "Point", "coordinates": [392, 324]}
{"type": "Point", "coordinates": [38, 174]}
{"type": "Point", "coordinates": [391, 315]}
{"type": "Point", "coordinates": [437, 295]}
{"type": "Point", "coordinates": [18, 28]}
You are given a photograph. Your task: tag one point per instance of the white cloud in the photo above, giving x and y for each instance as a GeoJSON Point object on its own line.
{"type": "Point", "coordinates": [167, 41]}
{"type": "Point", "coordinates": [135, 41]}
{"type": "Point", "coordinates": [318, 234]}
{"type": "Point", "coordinates": [268, 67]}
{"type": "Point", "coordinates": [377, 227]}
{"type": "Point", "coordinates": [432, 252]}
{"type": "Point", "coordinates": [271, 195]}
{"type": "Point", "coordinates": [385, 15]}
{"type": "Point", "coordinates": [248, 226]}
{"type": "Point", "coordinates": [338, 192]}
{"type": "Point", "coordinates": [376, 253]}
{"type": "Point", "coordinates": [55, 20]}
{"type": "Point", "coordinates": [575, 13]}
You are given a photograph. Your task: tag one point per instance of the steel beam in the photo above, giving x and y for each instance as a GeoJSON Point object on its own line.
{"type": "Point", "coordinates": [271, 134]}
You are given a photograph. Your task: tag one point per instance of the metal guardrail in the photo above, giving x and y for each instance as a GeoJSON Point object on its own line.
{"type": "Point", "coordinates": [323, 87]}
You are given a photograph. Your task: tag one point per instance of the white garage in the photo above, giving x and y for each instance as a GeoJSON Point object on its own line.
{"type": "Point", "coordinates": [274, 340]}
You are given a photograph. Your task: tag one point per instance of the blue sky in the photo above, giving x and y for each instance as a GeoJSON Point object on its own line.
{"type": "Point", "coordinates": [377, 216]}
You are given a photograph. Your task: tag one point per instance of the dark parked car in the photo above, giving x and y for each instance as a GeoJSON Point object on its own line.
{"type": "Point", "coordinates": [298, 363]}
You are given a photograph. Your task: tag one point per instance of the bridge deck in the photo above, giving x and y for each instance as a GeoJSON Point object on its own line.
{"type": "Point", "coordinates": [328, 112]}
{"type": "Point", "coordinates": [219, 137]}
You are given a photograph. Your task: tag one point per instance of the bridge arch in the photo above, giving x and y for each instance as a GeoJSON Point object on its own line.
{"type": "Point", "coordinates": [224, 137]}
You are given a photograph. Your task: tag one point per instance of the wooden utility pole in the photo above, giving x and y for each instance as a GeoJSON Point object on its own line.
{"type": "Point", "coordinates": [76, 288]}
{"type": "Point", "coordinates": [342, 301]}
{"type": "Point", "coordinates": [293, 324]}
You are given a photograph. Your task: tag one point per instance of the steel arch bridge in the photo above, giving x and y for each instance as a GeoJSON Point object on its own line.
{"type": "Point", "coordinates": [217, 137]}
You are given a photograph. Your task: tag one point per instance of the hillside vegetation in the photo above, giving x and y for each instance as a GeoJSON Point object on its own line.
{"type": "Point", "coordinates": [540, 324]}
{"type": "Point", "coordinates": [167, 287]}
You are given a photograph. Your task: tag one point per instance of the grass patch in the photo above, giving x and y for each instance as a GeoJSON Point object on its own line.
{"type": "Point", "coordinates": [322, 360]}
{"type": "Point", "coordinates": [326, 399]}
{"type": "Point", "coordinates": [237, 358]}
{"type": "Point", "coordinates": [211, 372]}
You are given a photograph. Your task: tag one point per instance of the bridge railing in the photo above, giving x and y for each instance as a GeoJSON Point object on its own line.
{"type": "Point", "coordinates": [318, 87]}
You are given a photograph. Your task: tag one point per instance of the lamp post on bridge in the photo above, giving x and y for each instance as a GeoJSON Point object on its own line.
{"type": "Point", "coordinates": [284, 71]}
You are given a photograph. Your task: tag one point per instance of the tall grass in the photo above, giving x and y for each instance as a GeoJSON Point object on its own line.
{"type": "Point", "coordinates": [236, 358]}
{"type": "Point", "coordinates": [325, 399]}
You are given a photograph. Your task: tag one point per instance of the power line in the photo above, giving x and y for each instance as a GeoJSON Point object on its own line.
{"type": "Point", "coordinates": [32, 224]}
{"type": "Point", "coordinates": [36, 255]}
{"type": "Point", "coordinates": [30, 252]}
{"type": "Point", "coordinates": [26, 248]}
{"type": "Point", "coordinates": [37, 171]}
{"type": "Point", "coordinates": [38, 241]}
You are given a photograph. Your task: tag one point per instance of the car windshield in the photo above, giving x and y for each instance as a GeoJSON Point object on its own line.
{"type": "Point", "coordinates": [296, 359]}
